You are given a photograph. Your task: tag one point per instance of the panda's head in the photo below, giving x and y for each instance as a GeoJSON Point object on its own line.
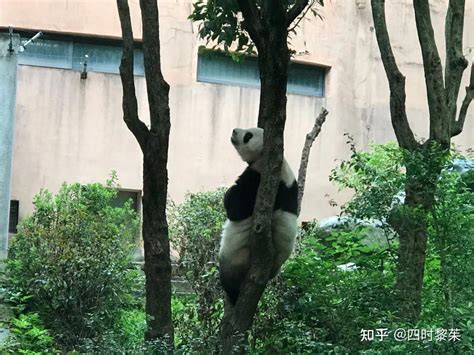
{"type": "Point", "coordinates": [248, 143]}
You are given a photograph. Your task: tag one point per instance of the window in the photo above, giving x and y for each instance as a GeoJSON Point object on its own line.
{"type": "Point", "coordinates": [47, 53]}
{"type": "Point", "coordinates": [219, 68]}
{"type": "Point", "coordinates": [125, 195]}
{"type": "Point", "coordinates": [14, 213]}
{"type": "Point", "coordinates": [69, 53]}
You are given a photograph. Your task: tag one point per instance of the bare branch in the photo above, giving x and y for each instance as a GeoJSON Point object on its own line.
{"type": "Point", "coordinates": [459, 124]}
{"type": "Point", "coordinates": [129, 101]}
{"type": "Point", "coordinates": [396, 80]}
{"type": "Point", "coordinates": [310, 138]}
{"type": "Point", "coordinates": [158, 88]}
{"type": "Point", "coordinates": [455, 61]}
{"type": "Point", "coordinates": [301, 17]}
{"type": "Point", "coordinates": [439, 125]}
{"type": "Point", "coordinates": [295, 11]}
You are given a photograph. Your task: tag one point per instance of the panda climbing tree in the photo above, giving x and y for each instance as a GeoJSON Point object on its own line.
{"type": "Point", "coordinates": [264, 25]}
{"type": "Point", "coordinates": [239, 202]}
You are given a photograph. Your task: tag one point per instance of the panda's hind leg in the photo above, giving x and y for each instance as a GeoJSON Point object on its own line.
{"type": "Point", "coordinates": [284, 236]}
{"type": "Point", "coordinates": [231, 277]}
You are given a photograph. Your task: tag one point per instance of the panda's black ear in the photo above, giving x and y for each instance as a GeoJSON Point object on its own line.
{"type": "Point", "coordinates": [247, 137]}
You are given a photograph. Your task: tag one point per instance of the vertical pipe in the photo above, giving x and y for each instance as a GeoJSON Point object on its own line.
{"type": "Point", "coordinates": [8, 68]}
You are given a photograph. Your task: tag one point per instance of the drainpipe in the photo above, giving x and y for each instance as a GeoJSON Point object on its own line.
{"type": "Point", "coordinates": [9, 44]}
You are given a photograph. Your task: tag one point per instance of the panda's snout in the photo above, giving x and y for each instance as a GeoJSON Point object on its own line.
{"type": "Point", "coordinates": [233, 138]}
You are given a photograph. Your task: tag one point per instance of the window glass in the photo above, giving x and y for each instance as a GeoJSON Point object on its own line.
{"type": "Point", "coordinates": [218, 68]}
{"type": "Point", "coordinates": [70, 54]}
{"type": "Point", "coordinates": [47, 53]}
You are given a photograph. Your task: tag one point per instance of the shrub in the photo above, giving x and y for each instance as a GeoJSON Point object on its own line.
{"type": "Point", "coordinates": [72, 258]}
{"type": "Point", "coordinates": [376, 178]}
{"type": "Point", "coordinates": [28, 336]}
{"type": "Point", "coordinates": [195, 228]}
{"type": "Point", "coordinates": [314, 306]}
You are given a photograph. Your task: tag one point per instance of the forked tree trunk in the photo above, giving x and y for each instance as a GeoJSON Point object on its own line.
{"type": "Point", "coordinates": [153, 143]}
{"type": "Point", "coordinates": [411, 220]}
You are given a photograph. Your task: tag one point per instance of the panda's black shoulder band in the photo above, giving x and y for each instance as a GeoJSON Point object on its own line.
{"type": "Point", "coordinates": [239, 200]}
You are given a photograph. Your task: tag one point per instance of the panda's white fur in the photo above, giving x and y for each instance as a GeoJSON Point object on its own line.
{"type": "Point", "coordinates": [234, 252]}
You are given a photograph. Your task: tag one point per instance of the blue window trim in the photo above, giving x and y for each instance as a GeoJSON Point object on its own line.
{"type": "Point", "coordinates": [205, 74]}
{"type": "Point", "coordinates": [108, 51]}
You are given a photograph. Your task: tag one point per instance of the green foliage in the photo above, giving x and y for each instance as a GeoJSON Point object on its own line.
{"type": "Point", "coordinates": [315, 307]}
{"type": "Point", "coordinates": [130, 328]}
{"type": "Point", "coordinates": [452, 246]}
{"type": "Point", "coordinates": [195, 227]}
{"type": "Point", "coordinates": [71, 261]}
{"type": "Point", "coordinates": [221, 24]}
{"type": "Point", "coordinates": [192, 331]}
{"type": "Point", "coordinates": [28, 336]}
{"type": "Point", "coordinates": [376, 177]}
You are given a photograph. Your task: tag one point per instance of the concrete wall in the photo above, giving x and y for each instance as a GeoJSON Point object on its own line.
{"type": "Point", "coordinates": [8, 69]}
{"type": "Point", "coordinates": [69, 129]}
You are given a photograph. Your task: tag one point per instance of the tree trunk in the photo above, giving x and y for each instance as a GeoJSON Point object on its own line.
{"type": "Point", "coordinates": [154, 142]}
{"type": "Point", "coordinates": [156, 245]}
{"type": "Point", "coordinates": [410, 221]}
{"type": "Point", "coordinates": [273, 59]}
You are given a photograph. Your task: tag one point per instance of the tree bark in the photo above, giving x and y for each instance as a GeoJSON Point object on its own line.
{"type": "Point", "coordinates": [310, 138]}
{"type": "Point", "coordinates": [458, 124]}
{"type": "Point", "coordinates": [439, 125]}
{"type": "Point", "coordinates": [396, 79]}
{"type": "Point", "coordinates": [154, 145]}
{"type": "Point", "coordinates": [267, 27]}
{"type": "Point", "coordinates": [410, 221]}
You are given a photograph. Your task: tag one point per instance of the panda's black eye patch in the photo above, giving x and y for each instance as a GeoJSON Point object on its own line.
{"type": "Point", "coordinates": [247, 137]}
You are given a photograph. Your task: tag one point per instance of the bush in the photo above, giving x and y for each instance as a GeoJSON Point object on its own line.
{"type": "Point", "coordinates": [377, 179]}
{"type": "Point", "coordinates": [314, 306]}
{"type": "Point", "coordinates": [71, 259]}
{"type": "Point", "coordinates": [28, 336]}
{"type": "Point", "coordinates": [195, 228]}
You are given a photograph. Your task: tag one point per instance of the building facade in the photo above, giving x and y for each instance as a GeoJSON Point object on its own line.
{"type": "Point", "coordinates": [70, 128]}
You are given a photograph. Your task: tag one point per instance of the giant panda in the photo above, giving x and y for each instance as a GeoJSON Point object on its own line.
{"type": "Point", "coordinates": [239, 203]}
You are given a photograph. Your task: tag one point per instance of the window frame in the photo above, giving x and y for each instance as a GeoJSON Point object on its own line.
{"type": "Point", "coordinates": [75, 42]}
{"type": "Point", "coordinates": [203, 77]}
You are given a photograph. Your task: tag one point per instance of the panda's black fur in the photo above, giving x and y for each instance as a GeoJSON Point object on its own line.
{"type": "Point", "coordinates": [239, 202]}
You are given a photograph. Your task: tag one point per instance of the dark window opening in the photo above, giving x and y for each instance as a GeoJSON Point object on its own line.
{"type": "Point", "coordinates": [14, 213]}
{"type": "Point", "coordinates": [124, 195]}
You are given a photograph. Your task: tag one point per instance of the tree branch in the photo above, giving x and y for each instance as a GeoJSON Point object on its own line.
{"type": "Point", "coordinates": [439, 125]}
{"type": "Point", "coordinates": [158, 88]}
{"type": "Point", "coordinates": [455, 61]}
{"type": "Point", "coordinates": [129, 101]}
{"type": "Point", "coordinates": [396, 80]}
{"type": "Point", "coordinates": [310, 138]}
{"type": "Point", "coordinates": [252, 20]}
{"type": "Point", "coordinates": [459, 124]}
{"type": "Point", "coordinates": [295, 11]}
